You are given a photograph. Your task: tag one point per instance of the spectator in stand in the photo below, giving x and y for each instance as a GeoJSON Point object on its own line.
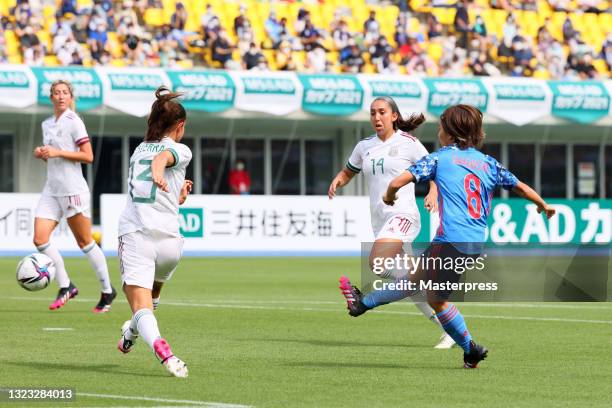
{"type": "Point", "coordinates": [167, 46]}
{"type": "Point", "coordinates": [480, 28]}
{"type": "Point", "coordinates": [245, 37]}
{"type": "Point", "coordinates": [210, 25]}
{"type": "Point", "coordinates": [30, 42]}
{"type": "Point", "coordinates": [80, 29]}
{"type": "Point", "coordinates": [530, 5]}
{"type": "Point", "coordinates": [284, 57]}
{"type": "Point", "coordinates": [509, 32]}
{"type": "Point", "coordinates": [371, 29]}
{"type": "Point", "coordinates": [522, 54]}
{"type": "Point", "coordinates": [352, 61]}
{"type": "Point", "coordinates": [316, 59]}
{"type": "Point", "coordinates": [589, 6]}
{"type": "Point", "coordinates": [568, 30]}
{"type": "Point", "coordinates": [341, 35]}
{"type": "Point", "coordinates": [34, 57]}
{"type": "Point", "coordinates": [222, 49]}
{"type": "Point", "coordinates": [273, 29]}
{"type": "Point", "coordinates": [3, 55]}
{"type": "Point", "coordinates": [309, 36]}
{"type": "Point", "coordinates": [132, 46]}
{"type": "Point", "coordinates": [606, 51]}
{"type": "Point", "coordinates": [179, 17]}
{"type": "Point", "coordinates": [434, 28]}
{"type": "Point", "coordinates": [240, 20]}
{"type": "Point", "coordinates": [559, 5]}
{"type": "Point", "coordinates": [500, 5]}
{"type": "Point", "coordinates": [302, 17]}
{"type": "Point", "coordinates": [68, 6]}
{"type": "Point", "coordinates": [252, 57]}
{"type": "Point", "coordinates": [380, 53]}
{"type": "Point", "coordinates": [239, 179]}
{"type": "Point", "coordinates": [21, 8]}
{"type": "Point", "coordinates": [584, 67]}
{"type": "Point", "coordinates": [22, 23]}
{"type": "Point", "coordinates": [462, 23]}
{"type": "Point", "coordinates": [97, 41]}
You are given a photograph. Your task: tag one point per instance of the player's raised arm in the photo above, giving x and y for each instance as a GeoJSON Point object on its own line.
{"type": "Point", "coordinates": [395, 184]}
{"type": "Point", "coordinates": [530, 194]}
{"type": "Point", "coordinates": [159, 164]}
{"type": "Point", "coordinates": [343, 177]}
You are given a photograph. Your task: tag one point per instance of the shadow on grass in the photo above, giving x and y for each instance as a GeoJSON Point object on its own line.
{"type": "Point", "coordinates": [341, 364]}
{"type": "Point", "coordinates": [339, 343]}
{"type": "Point", "coordinates": [98, 368]}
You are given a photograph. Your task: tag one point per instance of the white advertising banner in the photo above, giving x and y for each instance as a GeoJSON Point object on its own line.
{"type": "Point", "coordinates": [132, 90]}
{"type": "Point", "coordinates": [410, 94]}
{"type": "Point", "coordinates": [260, 224]}
{"type": "Point", "coordinates": [277, 93]}
{"type": "Point", "coordinates": [518, 100]}
{"type": "Point", "coordinates": [17, 86]}
{"type": "Point", "coordinates": [17, 226]}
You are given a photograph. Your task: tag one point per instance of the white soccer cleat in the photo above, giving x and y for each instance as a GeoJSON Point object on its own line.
{"type": "Point", "coordinates": [446, 342]}
{"type": "Point", "coordinates": [176, 367]}
{"type": "Point", "coordinates": [128, 338]}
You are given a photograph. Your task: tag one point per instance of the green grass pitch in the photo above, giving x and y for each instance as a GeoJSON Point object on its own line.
{"type": "Point", "coordinates": [274, 332]}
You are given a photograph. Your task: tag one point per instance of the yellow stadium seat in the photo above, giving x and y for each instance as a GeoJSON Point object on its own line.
{"type": "Point", "coordinates": [600, 66]}
{"type": "Point", "coordinates": [154, 17]}
{"type": "Point", "coordinates": [81, 4]}
{"type": "Point", "coordinates": [51, 61]}
{"type": "Point", "coordinates": [118, 62]}
{"type": "Point", "coordinates": [434, 50]}
{"type": "Point", "coordinates": [185, 63]}
{"type": "Point", "coordinates": [15, 59]}
{"type": "Point", "coordinates": [12, 43]}
{"type": "Point", "coordinates": [541, 74]}
{"type": "Point", "coordinates": [114, 44]}
{"type": "Point", "coordinates": [45, 39]}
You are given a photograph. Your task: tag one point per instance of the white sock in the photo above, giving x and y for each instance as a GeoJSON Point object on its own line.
{"type": "Point", "coordinates": [146, 324]}
{"type": "Point", "coordinates": [98, 263]}
{"type": "Point", "coordinates": [420, 302]}
{"type": "Point", "coordinates": [61, 276]}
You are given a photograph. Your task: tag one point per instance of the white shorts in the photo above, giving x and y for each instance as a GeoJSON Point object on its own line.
{"type": "Point", "coordinates": [399, 226]}
{"type": "Point", "coordinates": [56, 207]}
{"type": "Point", "coordinates": [147, 257]}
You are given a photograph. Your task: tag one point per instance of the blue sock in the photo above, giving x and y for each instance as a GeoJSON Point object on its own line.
{"type": "Point", "coordinates": [454, 325]}
{"type": "Point", "coordinates": [382, 297]}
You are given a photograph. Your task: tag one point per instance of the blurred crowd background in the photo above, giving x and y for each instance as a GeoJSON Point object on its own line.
{"type": "Point", "coordinates": [554, 39]}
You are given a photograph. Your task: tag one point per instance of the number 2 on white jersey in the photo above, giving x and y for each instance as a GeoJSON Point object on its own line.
{"type": "Point", "coordinates": [143, 177]}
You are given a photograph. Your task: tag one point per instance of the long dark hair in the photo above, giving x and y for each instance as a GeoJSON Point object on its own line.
{"type": "Point", "coordinates": [463, 123]}
{"type": "Point", "coordinates": [407, 125]}
{"type": "Point", "coordinates": [165, 114]}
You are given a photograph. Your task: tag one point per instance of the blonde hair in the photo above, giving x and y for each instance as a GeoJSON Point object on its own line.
{"type": "Point", "coordinates": [70, 89]}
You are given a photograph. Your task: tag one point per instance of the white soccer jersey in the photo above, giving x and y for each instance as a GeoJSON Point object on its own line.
{"type": "Point", "coordinates": [148, 207]}
{"type": "Point", "coordinates": [381, 162]}
{"type": "Point", "coordinates": [64, 177]}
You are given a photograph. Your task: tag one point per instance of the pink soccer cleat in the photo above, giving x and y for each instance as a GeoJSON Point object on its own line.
{"type": "Point", "coordinates": [63, 296]}
{"type": "Point", "coordinates": [173, 364]}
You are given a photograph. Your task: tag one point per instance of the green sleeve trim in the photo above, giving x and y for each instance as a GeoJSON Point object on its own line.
{"type": "Point", "coordinates": [176, 157]}
{"type": "Point", "coordinates": [352, 168]}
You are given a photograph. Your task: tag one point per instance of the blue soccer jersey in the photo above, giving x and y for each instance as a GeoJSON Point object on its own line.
{"type": "Point", "coordinates": [466, 180]}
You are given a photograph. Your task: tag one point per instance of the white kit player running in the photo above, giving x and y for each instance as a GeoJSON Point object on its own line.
{"type": "Point", "coordinates": [150, 244]}
{"type": "Point", "coordinates": [381, 158]}
{"type": "Point", "coordinates": [66, 194]}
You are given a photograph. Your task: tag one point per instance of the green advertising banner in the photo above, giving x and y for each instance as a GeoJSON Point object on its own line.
{"type": "Point", "coordinates": [17, 86]}
{"type": "Point", "coordinates": [331, 94]}
{"type": "Point", "coordinates": [580, 101]}
{"type": "Point", "coordinates": [447, 92]}
{"type": "Point", "coordinates": [86, 82]}
{"type": "Point", "coordinates": [209, 91]}
{"type": "Point", "coordinates": [516, 220]}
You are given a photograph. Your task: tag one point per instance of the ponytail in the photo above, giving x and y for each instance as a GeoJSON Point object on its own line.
{"type": "Point", "coordinates": [407, 125]}
{"type": "Point", "coordinates": [165, 114]}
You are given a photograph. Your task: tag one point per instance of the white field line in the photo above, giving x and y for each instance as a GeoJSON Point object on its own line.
{"type": "Point", "coordinates": [57, 328]}
{"type": "Point", "coordinates": [341, 310]}
{"type": "Point", "coordinates": [207, 404]}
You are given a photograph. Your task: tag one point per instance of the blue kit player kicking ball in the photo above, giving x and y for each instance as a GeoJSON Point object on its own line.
{"type": "Point", "coordinates": [466, 180]}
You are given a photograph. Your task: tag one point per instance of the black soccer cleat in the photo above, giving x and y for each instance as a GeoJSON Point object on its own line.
{"type": "Point", "coordinates": [353, 297]}
{"type": "Point", "coordinates": [476, 355]}
{"type": "Point", "coordinates": [106, 299]}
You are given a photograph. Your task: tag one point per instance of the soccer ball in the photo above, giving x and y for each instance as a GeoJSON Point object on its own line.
{"type": "Point", "coordinates": [35, 272]}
